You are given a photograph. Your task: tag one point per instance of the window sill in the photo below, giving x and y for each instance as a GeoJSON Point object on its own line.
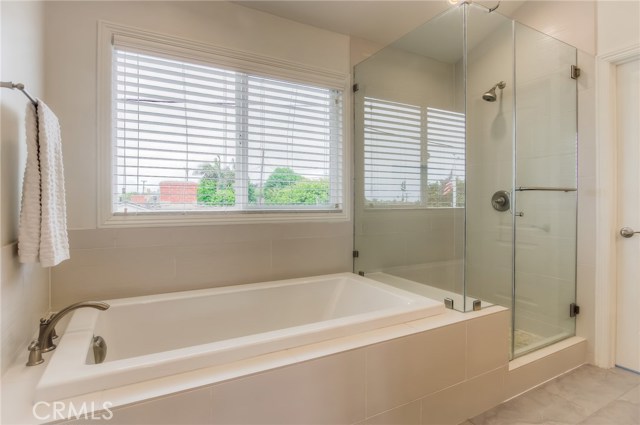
{"type": "Point", "coordinates": [234, 217]}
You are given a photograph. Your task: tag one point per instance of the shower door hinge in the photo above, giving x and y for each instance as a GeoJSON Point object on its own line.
{"type": "Point", "coordinates": [575, 72]}
{"type": "Point", "coordinates": [574, 310]}
{"type": "Point", "coordinates": [356, 87]}
{"type": "Point", "coordinates": [356, 254]}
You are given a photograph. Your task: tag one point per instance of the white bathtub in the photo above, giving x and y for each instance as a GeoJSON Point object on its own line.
{"type": "Point", "coordinates": [154, 336]}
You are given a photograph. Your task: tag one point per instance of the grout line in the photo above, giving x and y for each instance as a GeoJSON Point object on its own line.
{"type": "Point", "coordinates": [544, 382]}
{"type": "Point", "coordinates": [366, 381]}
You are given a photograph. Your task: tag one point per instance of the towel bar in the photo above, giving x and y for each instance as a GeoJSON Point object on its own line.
{"type": "Point", "coordinates": [19, 86]}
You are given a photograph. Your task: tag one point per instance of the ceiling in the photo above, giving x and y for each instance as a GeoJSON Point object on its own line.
{"type": "Point", "coordinates": [381, 21]}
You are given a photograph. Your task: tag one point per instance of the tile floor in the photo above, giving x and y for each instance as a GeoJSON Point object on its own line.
{"type": "Point", "coordinates": [587, 395]}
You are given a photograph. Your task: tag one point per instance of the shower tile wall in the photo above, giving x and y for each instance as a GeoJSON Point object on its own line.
{"type": "Point", "coordinates": [545, 233]}
{"type": "Point", "coordinates": [586, 258]}
{"type": "Point", "coordinates": [489, 157]}
{"type": "Point", "coordinates": [545, 156]}
{"type": "Point", "coordinates": [416, 245]}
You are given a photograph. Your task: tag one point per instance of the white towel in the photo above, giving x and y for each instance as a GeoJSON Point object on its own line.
{"type": "Point", "coordinates": [42, 234]}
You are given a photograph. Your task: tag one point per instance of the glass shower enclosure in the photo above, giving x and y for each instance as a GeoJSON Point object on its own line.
{"type": "Point", "coordinates": [465, 174]}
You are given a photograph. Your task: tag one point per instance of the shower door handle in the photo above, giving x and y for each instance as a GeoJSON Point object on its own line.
{"type": "Point", "coordinates": [627, 232]}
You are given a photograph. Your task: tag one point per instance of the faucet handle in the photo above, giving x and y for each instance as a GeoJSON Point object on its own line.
{"type": "Point", "coordinates": [35, 354]}
{"type": "Point", "coordinates": [48, 344]}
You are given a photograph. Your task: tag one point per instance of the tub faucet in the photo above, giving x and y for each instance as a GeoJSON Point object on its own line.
{"type": "Point", "coordinates": [44, 342]}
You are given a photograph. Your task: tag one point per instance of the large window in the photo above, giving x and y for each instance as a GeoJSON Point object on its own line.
{"type": "Point", "coordinates": [191, 137]}
{"type": "Point", "coordinates": [413, 156]}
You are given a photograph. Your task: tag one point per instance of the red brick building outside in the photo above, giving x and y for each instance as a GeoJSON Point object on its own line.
{"type": "Point", "coordinates": [178, 192]}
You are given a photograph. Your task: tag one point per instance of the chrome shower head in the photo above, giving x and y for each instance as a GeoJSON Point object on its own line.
{"type": "Point", "coordinates": [491, 96]}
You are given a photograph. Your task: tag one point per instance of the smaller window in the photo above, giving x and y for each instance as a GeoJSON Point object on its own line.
{"type": "Point", "coordinates": [445, 158]}
{"type": "Point", "coordinates": [413, 156]}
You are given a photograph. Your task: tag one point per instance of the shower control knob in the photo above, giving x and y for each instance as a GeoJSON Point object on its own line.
{"type": "Point", "coordinates": [500, 201]}
{"type": "Point", "coordinates": [627, 232]}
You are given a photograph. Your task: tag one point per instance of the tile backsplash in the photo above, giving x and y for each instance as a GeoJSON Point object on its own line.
{"type": "Point", "coordinates": [24, 299]}
{"type": "Point", "coordinates": [116, 263]}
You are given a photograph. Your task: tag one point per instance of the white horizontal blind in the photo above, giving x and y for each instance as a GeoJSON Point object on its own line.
{"type": "Point", "coordinates": [392, 152]}
{"type": "Point", "coordinates": [401, 170]}
{"type": "Point", "coordinates": [190, 137]}
{"type": "Point", "coordinates": [446, 153]}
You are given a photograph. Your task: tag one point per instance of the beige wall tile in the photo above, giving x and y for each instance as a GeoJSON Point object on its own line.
{"type": "Point", "coordinates": [487, 343]}
{"type": "Point", "coordinates": [307, 257]}
{"type": "Point", "coordinates": [187, 408]}
{"type": "Point", "coordinates": [157, 260]}
{"type": "Point", "coordinates": [113, 273]}
{"type": "Point", "coordinates": [529, 375]}
{"type": "Point", "coordinates": [13, 297]}
{"type": "Point", "coordinates": [223, 264]}
{"type": "Point", "coordinates": [329, 390]}
{"type": "Point", "coordinates": [465, 400]}
{"type": "Point", "coordinates": [95, 238]}
{"type": "Point", "coordinates": [409, 414]}
{"type": "Point", "coordinates": [406, 369]}
{"type": "Point", "coordinates": [24, 298]}
{"type": "Point", "coordinates": [310, 230]}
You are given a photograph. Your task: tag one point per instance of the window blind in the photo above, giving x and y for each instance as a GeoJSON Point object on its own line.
{"type": "Point", "coordinates": [413, 156]}
{"type": "Point", "coordinates": [193, 137]}
{"type": "Point", "coordinates": [446, 158]}
{"type": "Point", "coordinates": [392, 152]}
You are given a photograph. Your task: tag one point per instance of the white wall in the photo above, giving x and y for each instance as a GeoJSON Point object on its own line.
{"type": "Point", "coordinates": [617, 32]}
{"type": "Point", "coordinates": [24, 291]}
{"type": "Point", "coordinates": [116, 263]}
{"type": "Point", "coordinates": [617, 25]}
{"type": "Point", "coordinates": [572, 22]}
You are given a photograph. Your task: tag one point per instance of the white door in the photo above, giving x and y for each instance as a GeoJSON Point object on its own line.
{"type": "Point", "coordinates": [628, 249]}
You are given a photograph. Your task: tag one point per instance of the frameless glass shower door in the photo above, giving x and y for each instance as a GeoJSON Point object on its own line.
{"type": "Point", "coordinates": [545, 190]}
{"type": "Point", "coordinates": [465, 169]}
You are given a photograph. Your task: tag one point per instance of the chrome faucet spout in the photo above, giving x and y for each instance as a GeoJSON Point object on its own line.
{"type": "Point", "coordinates": [44, 342]}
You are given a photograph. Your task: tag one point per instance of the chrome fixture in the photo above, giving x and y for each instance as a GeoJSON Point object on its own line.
{"type": "Point", "coordinates": [44, 342]}
{"type": "Point", "coordinates": [491, 9]}
{"type": "Point", "coordinates": [477, 305]}
{"type": "Point", "coordinates": [18, 86]}
{"type": "Point", "coordinates": [627, 232]}
{"type": "Point", "coordinates": [99, 349]}
{"type": "Point", "coordinates": [491, 96]}
{"type": "Point", "coordinates": [548, 189]}
{"type": "Point", "coordinates": [460, 2]}
{"type": "Point", "coordinates": [500, 201]}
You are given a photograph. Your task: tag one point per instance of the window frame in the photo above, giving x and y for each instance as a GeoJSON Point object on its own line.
{"type": "Point", "coordinates": [207, 54]}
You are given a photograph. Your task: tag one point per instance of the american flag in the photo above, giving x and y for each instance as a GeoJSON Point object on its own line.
{"type": "Point", "coordinates": [447, 185]}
